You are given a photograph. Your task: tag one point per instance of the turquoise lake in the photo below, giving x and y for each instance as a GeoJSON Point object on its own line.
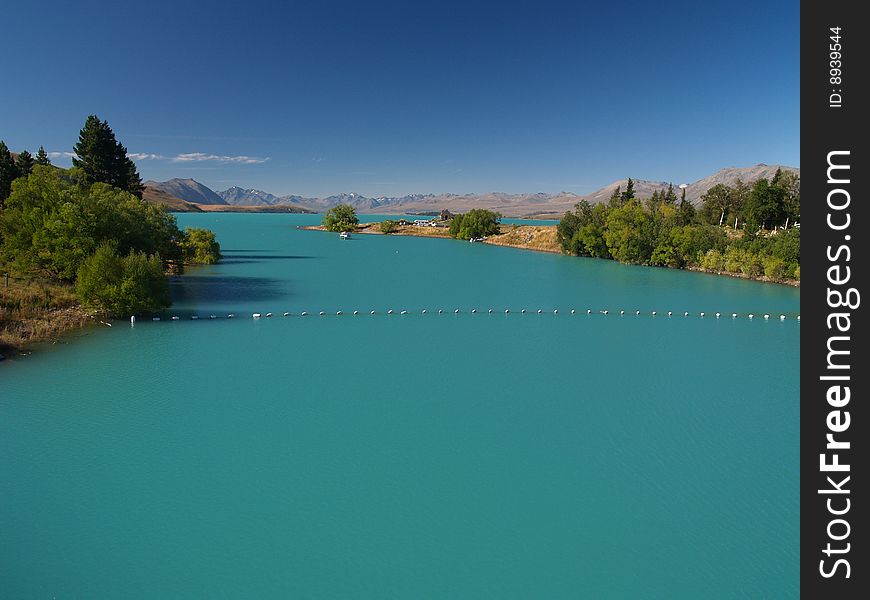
{"type": "Point", "coordinates": [409, 456]}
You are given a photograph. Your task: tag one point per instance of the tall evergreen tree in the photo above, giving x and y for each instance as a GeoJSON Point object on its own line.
{"type": "Point", "coordinates": [42, 157]}
{"type": "Point", "coordinates": [628, 194]}
{"type": "Point", "coordinates": [103, 159]}
{"type": "Point", "coordinates": [25, 163]}
{"type": "Point", "coordinates": [8, 172]}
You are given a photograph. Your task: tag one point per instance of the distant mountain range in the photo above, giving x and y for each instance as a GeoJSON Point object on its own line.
{"type": "Point", "coordinates": [510, 205]}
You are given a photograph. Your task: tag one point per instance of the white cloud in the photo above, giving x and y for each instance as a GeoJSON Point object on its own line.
{"type": "Point", "coordinates": [145, 156]}
{"type": "Point", "coordinates": [180, 158]}
{"type": "Point", "coordinates": [202, 156]}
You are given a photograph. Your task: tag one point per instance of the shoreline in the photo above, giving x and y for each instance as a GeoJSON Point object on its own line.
{"type": "Point", "coordinates": [537, 238]}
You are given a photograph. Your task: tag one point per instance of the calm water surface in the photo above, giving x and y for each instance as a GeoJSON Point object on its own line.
{"type": "Point", "coordinates": [415, 456]}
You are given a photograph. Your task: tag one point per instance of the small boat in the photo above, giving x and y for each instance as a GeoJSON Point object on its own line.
{"type": "Point", "coordinates": [344, 235]}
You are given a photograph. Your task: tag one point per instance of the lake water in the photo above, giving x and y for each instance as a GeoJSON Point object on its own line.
{"type": "Point", "coordinates": [409, 456]}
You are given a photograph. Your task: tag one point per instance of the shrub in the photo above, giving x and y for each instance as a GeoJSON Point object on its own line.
{"type": "Point", "coordinates": [388, 226]}
{"type": "Point", "coordinates": [120, 286]}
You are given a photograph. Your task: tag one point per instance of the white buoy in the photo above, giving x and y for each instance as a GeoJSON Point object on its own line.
{"type": "Point", "coordinates": [718, 315]}
{"type": "Point", "coordinates": [766, 317]}
{"type": "Point", "coordinates": [389, 312]}
{"type": "Point", "coordinates": [540, 311]}
{"type": "Point", "coordinates": [231, 315]}
{"type": "Point", "coordinates": [195, 317]}
{"type": "Point", "coordinates": [653, 313]}
{"type": "Point", "coordinates": [733, 315]}
{"type": "Point", "coordinates": [212, 316]}
{"type": "Point", "coordinates": [490, 311]}
{"type": "Point", "coordinates": [798, 317]}
{"type": "Point", "coordinates": [556, 311]}
{"type": "Point", "coordinates": [338, 313]}
{"type": "Point", "coordinates": [588, 311]}
{"type": "Point", "coordinates": [304, 314]}
{"type": "Point", "coordinates": [523, 311]}
{"type": "Point", "coordinates": [373, 312]}
{"type": "Point", "coordinates": [751, 315]}
{"type": "Point", "coordinates": [404, 312]}
{"type": "Point", "coordinates": [572, 311]}
{"type": "Point", "coordinates": [507, 311]}
{"type": "Point", "coordinates": [456, 311]}
{"type": "Point", "coordinates": [132, 319]}
{"type": "Point", "coordinates": [424, 311]}
{"type": "Point", "coordinates": [605, 312]}
{"type": "Point", "coordinates": [637, 312]}
{"type": "Point", "coordinates": [268, 314]}
{"type": "Point", "coordinates": [782, 317]}
{"type": "Point", "coordinates": [702, 314]}
{"type": "Point", "coordinates": [440, 311]}
{"type": "Point", "coordinates": [174, 318]}
{"type": "Point", "coordinates": [255, 315]}
{"type": "Point", "coordinates": [473, 310]}
{"type": "Point", "coordinates": [670, 313]}
{"type": "Point", "coordinates": [155, 318]}
{"type": "Point", "coordinates": [356, 312]}
{"type": "Point", "coordinates": [322, 313]}
{"type": "Point", "coordinates": [286, 314]}
{"type": "Point", "coordinates": [622, 312]}
{"type": "Point", "coordinates": [686, 314]}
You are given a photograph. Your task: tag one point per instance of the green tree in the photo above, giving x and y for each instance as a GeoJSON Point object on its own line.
{"type": "Point", "coordinates": [717, 204]}
{"type": "Point", "coordinates": [25, 163]}
{"type": "Point", "coordinates": [42, 157]}
{"type": "Point", "coordinates": [103, 159]}
{"type": "Point", "coordinates": [388, 226]}
{"type": "Point", "coordinates": [51, 224]}
{"type": "Point", "coordinates": [8, 172]}
{"type": "Point", "coordinates": [628, 194]}
{"type": "Point", "coordinates": [121, 286]}
{"type": "Point", "coordinates": [200, 246]}
{"type": "Point", "coordinates": [765, 206]}
{"type": "Point", "coordinates": [476, 223]}
{"type": "Point", "coordinates": [340, 218]}
{"type": "Point", "coordinates": [630, 233]}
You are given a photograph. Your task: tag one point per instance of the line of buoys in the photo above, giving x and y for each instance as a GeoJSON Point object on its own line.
{"type": "Point", "coordinates": [456, 311]}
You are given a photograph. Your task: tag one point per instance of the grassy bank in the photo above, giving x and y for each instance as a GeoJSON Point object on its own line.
{"type": "Point", "coordinates": [34, 312]}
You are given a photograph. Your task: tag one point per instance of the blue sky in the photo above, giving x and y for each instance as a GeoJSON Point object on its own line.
{"type": "Point", "coordinates": [389, 98]}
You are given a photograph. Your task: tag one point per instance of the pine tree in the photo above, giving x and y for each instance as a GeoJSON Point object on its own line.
{"type": "Point", "coordinates": [25, 163]}
{"type": "Point", "coordinates": [628, 194]}
{"type": "Point", "coordinates": [42, 157]}
{"type": "Point", "coordinates": [103, 159]}
{"type": "Point", "coordinates": [8, 172]}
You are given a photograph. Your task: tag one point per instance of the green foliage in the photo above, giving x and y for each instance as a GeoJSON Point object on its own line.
{"type": "Point", "coordinates": [51, 224]}
{"type": "Point", "coordinates": [630, 233]}
{"type": "Point", "coordinates": [388, 226]}
{"type": "Point", "coordinates": [662, 231]}
{"type": "Point", "coordinates": [25, 163]}
{"type": "Point", "coordinates": [42, 157]}
{"type": "Point", "coordinates": [340, 218]}
{"type": "Point", "coordinates": [121, 286]}
{"type": "Point", "coordinates": [476, 223]}
{"type": "Point", "coordinates": [102, 159]}
{"type": "Point", "coordinates": [200, 246]}
{"type": "Point", "coordinates": [8, 172]}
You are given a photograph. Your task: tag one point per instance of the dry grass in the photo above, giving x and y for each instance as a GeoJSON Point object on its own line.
{"type": "Point", "coordinates": [529, 237]}
{"type": "Point", "coordinates": [37, 311]}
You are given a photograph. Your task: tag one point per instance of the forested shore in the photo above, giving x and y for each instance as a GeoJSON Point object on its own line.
{"type": "Point", "coordinates": [81, 243]}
